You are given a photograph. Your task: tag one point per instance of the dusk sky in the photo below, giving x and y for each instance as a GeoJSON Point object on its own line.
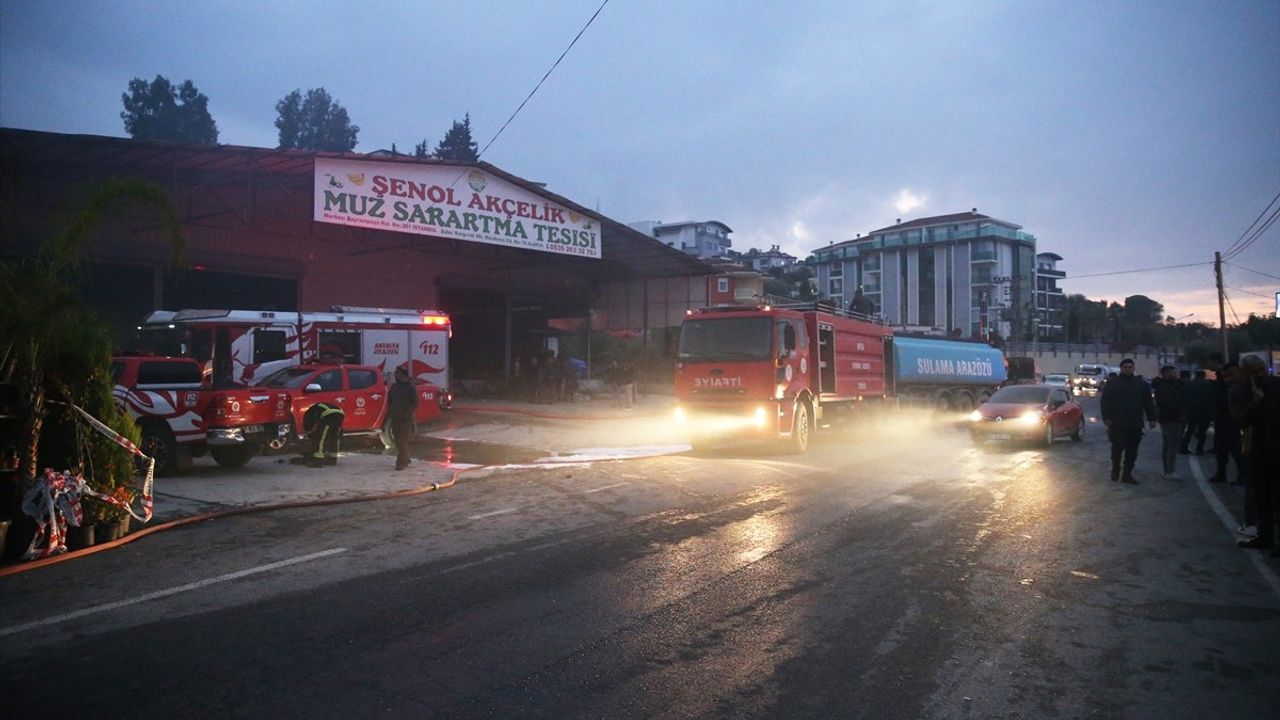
{"type": "Point", "coordinates": [1123, 135]}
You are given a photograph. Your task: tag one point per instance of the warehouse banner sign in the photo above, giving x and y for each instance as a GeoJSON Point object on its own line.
{"type": "Point", "coordinates": [448, 201]}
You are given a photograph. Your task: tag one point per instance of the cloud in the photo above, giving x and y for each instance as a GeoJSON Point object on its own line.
{"type": "Point", "coordinates": [907, 200]}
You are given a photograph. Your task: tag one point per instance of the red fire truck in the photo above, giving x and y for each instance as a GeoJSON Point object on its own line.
{"type": "Point", "coordinates": [781, 372]}
{"type": "Point", "coordinates": [246, 346]}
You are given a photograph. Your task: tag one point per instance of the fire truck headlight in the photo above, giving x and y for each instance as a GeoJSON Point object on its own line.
{"type": "Point", "coordinates": [760, 417]}
{"type": "Point", "coordinates": [1030, 418]}
{"type": "Point", "coordinates": [679, 415]}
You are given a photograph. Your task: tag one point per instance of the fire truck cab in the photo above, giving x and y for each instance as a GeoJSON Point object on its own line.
{"type": "Point", "coordinates": [774, 372]}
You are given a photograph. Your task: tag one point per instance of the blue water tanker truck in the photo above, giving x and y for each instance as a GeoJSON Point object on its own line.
{"type": "Point", "coordinates": [944, 374]}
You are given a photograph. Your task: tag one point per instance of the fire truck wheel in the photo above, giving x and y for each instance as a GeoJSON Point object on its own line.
{"type": "Point", "coordinates": [158, 442]}
{"type": "Point", "coordinates": [233, 456]}
{"type": "Point", "coordinates": [801, 427]}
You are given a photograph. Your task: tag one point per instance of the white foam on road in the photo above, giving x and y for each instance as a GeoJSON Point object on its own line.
{"type": "Point", "coordinates": [171, 591]}
{"type": "Point", "coordinates": [481, 516]}
{"type": "Point", "coordinates": [618, 453]}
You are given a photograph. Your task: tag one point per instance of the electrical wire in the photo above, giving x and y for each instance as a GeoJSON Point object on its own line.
{"type": "Point", "coordinates": [1256, 272]}
{"type": "Point", "coordinates": [544, 79]}
{"type": "Point", "coordinates": [1233, 246]}
{"type": "Point", "coordinates": [1257, 234]}
{"type": "Point", "coordinates": [1140, 270]}
{"type": "Point", "coordinates": [1250, 292]}
{"type": "Point", "coordinates": [1230, 307]}
{"type": "Point", "coordinates": [1262, 229]}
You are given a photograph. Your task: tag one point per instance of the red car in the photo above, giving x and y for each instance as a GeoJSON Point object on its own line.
{"type": "Point", "coordinates": [360, 390]}
{"type": "Point", "coordinates": [1039, 413]}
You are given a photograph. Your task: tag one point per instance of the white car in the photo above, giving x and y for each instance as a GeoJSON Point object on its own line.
{"type": "Point", "coordinates": [1061, 380]}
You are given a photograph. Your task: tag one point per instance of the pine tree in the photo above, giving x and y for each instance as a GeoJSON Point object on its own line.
{"type": "Point", "coordinates": [457, 143]}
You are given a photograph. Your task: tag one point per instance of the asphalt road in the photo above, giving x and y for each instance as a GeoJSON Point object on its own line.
{"type": "Point", "coordinates": [895, 574]}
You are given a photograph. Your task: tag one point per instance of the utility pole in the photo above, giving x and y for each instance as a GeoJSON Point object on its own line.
{"type": "Point", "coordinates": [1222, 312]}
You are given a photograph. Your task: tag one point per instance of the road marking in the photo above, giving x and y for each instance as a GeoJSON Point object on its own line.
{"type": "Point", "coordinates": [606, 487]}
{"type": "Point", "coordinates": [165, 593]}
{"type": "Point", "coordinates": [481, 516]}
{"type": "Point", "coordinates": [1229, 522]}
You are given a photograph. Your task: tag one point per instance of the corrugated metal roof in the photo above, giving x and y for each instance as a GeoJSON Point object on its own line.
{"type": "Point", "coordinates": [626, 252]}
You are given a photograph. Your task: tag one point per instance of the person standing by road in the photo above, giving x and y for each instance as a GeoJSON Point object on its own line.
{"type": "Point", "coordinates": [402, 401]}
{"type": "Point", "coordinates": [1124, 402]}
{"type": "Point", "coordinates": [1198, 413]}
{"type": "Point", "coordinates": [1171, 403]}
{"type": "Point", "coordinates": [1255, 404]}
{"type": "Point", "coordinates": [1226, 431]}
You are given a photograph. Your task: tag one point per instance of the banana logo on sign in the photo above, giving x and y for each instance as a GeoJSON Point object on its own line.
{"type": "Point", "coordinates": [356, 178]}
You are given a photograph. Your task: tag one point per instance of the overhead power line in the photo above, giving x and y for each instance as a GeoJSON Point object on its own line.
{"type": "Point", "coordinates": [1241, 267]}
{"type": "Point", "coordinates": [1231, 307]}
{"type": "Point", "coordinates": [1241, 243]}
{"type": "Point", "coordinates": [544, 79]}
{"type": "Point", "coordinates": [1262, 229]}
{"type": "Point", "coordinates": [1250, 292]}
{"type": "Point", "coordinates": [1140, 270]}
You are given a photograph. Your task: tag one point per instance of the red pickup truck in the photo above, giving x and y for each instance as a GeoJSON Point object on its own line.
{"type": "Point", "coordinates": [360, 390]}
{"type": "Point", "coordinates": [181, 417]}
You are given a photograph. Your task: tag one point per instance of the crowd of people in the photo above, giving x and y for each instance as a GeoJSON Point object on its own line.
{"type": "Point", "coordinates": [546, 378]}
{"type": "Point", "coordinates": [1241, 404]}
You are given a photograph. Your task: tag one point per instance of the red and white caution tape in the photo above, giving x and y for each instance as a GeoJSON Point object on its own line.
{"type": "Point", "coordinates": [54, 502]}
{"type": "Point", "coordinates": [124, 442]}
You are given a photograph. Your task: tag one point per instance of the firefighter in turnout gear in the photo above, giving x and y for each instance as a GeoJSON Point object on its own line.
{"type": "Point", "coordinates": [322, 423]}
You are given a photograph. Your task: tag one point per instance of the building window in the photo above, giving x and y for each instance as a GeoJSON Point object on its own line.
{"type": "Point", "coordinates": [722, 285]}
{"type": "Point", "coordinates": [835, 288]}
{"type": "Point", "coordinates": [837, 270]}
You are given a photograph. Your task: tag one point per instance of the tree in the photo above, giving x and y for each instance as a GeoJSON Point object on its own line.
{"type": "Point", "coordinates": [317, 122]}
{"type": "Point", "coordinates": [457, 143]}
{"type": "Point", "coordinates": [55, 348]}
{"type": "Point", "coordinates": [159, 111]}
{"type": "Point", "coordinates": [420, 150]}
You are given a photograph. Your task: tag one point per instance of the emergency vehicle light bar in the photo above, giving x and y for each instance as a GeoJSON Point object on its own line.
{"type": "Point", "coordinates": [377, 310]}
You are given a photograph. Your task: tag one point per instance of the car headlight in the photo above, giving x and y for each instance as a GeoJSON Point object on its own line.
{"type": "Point", "coordinates": [679, 415]}
{"type": "Point", "coordinates": [1032, 417]}
{"type": "Point", "coordinates": [975, 416]}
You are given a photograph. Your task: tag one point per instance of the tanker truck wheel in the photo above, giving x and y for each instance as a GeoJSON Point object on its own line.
{"type": "Point", "coordinates": [801, 427]}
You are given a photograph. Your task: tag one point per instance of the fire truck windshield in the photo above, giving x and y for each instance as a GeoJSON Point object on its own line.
{"type": "Point", "coordinates": [726, 339]}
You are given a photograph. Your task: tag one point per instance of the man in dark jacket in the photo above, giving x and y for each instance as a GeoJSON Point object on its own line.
{"type": "Point", "coordinates": [1171, 412]}
{"type": "Point", "coordinates": [1226, 431]}
{"type": "Point", "coordinates": [1198, 413]}
{"type": "Point", "coordinates": [401, 404]}
{"type": "Point", "coordinates": [1255, 404]}
{"type": "Point", "coordinates": [1124, 402]}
